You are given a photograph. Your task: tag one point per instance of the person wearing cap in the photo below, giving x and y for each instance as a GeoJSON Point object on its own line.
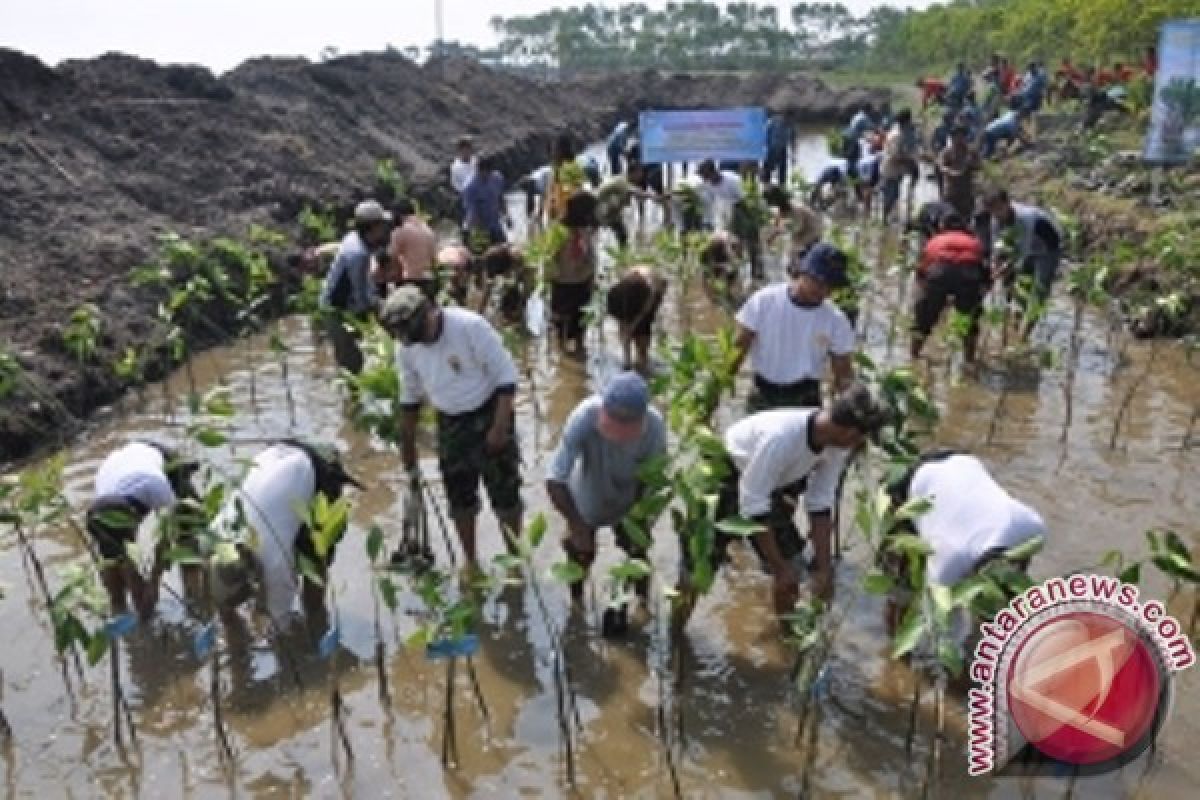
{"type": "Point", "coordinates": [132, 482]}
{"type": "Point", "coordinates": [952, 265]}
{"type": "Point", "coordinates": [456, 361]}
{"type": "Point", "coordinates": [412, 249]}
{"type": "Point", "coordinates": [775, 456]}
{"type": "Point", "coordinates": [957, 164]}
{"type": "Point", "coordinates": [348, 288]}
{"type": "Point", "coordinates": [634, 302]}
{"type": "Point", "coordinates": [264, 518]}
{"type": "Point", "coordinates": [790, 330]}
{"type": "Point", "coordinates": [592, 479]}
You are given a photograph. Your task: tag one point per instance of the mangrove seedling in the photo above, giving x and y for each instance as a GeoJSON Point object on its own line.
{"type": "Point", "coordinates": [82, 339]}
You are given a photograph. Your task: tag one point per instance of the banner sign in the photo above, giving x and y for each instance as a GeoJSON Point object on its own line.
{"type": "Point", "coordinates": [728, 134]}
{"type": "Point", "coordinates": [1175, 120]}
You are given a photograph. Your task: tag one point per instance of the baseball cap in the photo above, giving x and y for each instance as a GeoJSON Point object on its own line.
{"type": "Point", "coordinates": [824, 262]}
{"type": "Point", "coordinates": [401, 306]}
{"type": "Point", "coordinates": [369, 211]}
{"type": "Point", "coordinates": [623, 408]}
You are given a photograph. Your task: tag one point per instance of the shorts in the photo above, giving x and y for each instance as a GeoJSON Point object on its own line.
{"type": "Point", "coordinates": [964, 283]}
{"type": "Point", "coordinates": [463, 460]}
{"type": "Point", "coordinates": [346, 351]}
{"type": "Point", "coordinates": [766, 396]}
{"type": "Point", "coordinates": [646, 326]}
{"type": "Point", "coordinates": [113, 523]}
{"type": "Point", "coordinates": [567, 302]}
{"type": "Point", "coordinates": [780, 520]}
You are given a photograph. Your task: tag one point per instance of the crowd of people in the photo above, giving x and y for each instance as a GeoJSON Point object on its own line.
{"type": "Point", "coordinates": [798, 429]}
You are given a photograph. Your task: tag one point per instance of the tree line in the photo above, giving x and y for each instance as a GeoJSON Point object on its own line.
{"type": "Point", "coordinates": [704, 35]}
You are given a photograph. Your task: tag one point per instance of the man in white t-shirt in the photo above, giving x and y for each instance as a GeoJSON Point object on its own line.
{"type": "Point", "coordinates": [132, 482]}
{"type": "Point", "coordinates": [454, 359]}
{"type": "Point", "coordinates": [790, 331]}
{"type": "Point", "coordinates": [463, 168]}
{"type": "Point", "coordinates": [971, 519]}
{"type": "Point", "coordinates": [776, 456]}
{"type": "Point", "coordinates": [720, 191]}
{"type": "Point", "coordinates": [265, 518]}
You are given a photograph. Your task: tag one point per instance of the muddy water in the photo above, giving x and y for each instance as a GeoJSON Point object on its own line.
{"type": "Point", "coordinates": [739, 718]}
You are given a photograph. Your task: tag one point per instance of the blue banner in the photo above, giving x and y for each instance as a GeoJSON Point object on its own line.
{"type": "Point", "coordinates": [728, 134]}
{"type": "Point", "coordinates": [1175, 119]}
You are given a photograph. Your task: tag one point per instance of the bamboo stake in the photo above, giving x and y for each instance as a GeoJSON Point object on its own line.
{"type": "Point", "coordinates": [449, 731]}
{"type": "Point", "coordinates": [912, 714]}
{"type": "Point", "coordinates": [224, 751]}
{"type": "Point", "coordinates": [1128, 399]}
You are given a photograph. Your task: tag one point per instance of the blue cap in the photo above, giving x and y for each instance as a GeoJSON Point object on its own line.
{"type": "Point", "coordinates": [826, 263]}
{"type": "Point", "coordinates": [623, 410]}
{"type": "Point", "coordinates": [627, 396]}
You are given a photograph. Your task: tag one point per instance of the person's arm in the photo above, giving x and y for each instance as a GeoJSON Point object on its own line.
{"type": "Point", "coordinates": [495, 359]}
{"type": "Point", "coordinates": [408, 436]}
{"type": "Point", "coordinates": [841, 349]}
{"type": "Point", "coordinates": [743, 342]}
{"type": "Point", "coordinates": [944, 165]}
{"type": "Point", "coordinates": [360, 283]}
{"type": "Point", "coordinates": [411, 394]}
{"type": "Point", "coordinates": [581, 537]}
{"type": "Point", "coordinates": [819, 500]}
{"type": "Point", "coordinates": [758, 480]}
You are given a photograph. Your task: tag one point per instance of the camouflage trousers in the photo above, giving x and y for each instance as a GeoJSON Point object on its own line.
{"type": "Point", "coordinates": [463, 460]}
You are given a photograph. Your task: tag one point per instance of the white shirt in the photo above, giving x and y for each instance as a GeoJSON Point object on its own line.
{"type": "Point", "coordinates": [461, 370]}
{"type": "Point", "coordinates": [722, 194]}
{"type": "Point", "coordinates": [541, 178]}
{"type": "Point", "coordinates": [771, 450]}
{"type": "Point", "coordinates": [136, 470]}
{"type": "Point", "coordinates": [279, 487]}
{"type": "Point", "coordinates": [971, 514]}
{"type": "Point", "coordinates": [791, 343]}
{"type": "Point", "coordinates": [461, 173]}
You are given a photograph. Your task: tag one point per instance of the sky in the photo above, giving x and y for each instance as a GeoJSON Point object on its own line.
{"type": "Point", "coordinates": [220, 34]}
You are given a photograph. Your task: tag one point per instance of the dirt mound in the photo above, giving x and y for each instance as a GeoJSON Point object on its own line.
{"type": "Point", "coordinates": [101, 156]}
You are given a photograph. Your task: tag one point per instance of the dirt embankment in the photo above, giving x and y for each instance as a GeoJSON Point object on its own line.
{"type": "Point", "coordinates": [102, 156]}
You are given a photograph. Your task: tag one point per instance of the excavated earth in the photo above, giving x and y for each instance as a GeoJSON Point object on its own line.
{"type": "Point", "coordinates": [101, 157]}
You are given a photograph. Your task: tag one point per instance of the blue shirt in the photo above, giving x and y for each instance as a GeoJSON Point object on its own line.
{"type": "Point", "coordinates": [352, 263]}
{"type": "Point", "coordinates": [484, 201]}
{"type": "Point", "coordinates": [601, 474]}
{"type": "Point", "coordinates": [779, 135]}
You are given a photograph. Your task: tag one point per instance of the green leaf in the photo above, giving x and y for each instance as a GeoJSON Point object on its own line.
{"type": "Point", "coordinates": [877, 582]}
{"type": "Point", "coordinates": [209, 437]}
{"type": "Point", "coordinates": [217, 402]}
{"type": "Point", "coordinates": [97, 646]}
{"type": "Point", "coordinates": [182, 555]}
{"type": "Point", "coordinates": [633, 569]}
{"type": "Point", "coordinates": [567, 572]}
{"type": "Point", "coordinates": [387, 590]}
{"type": "Point", "coordinates": [910, 632]}
{"type": "Point", "coordinates": [914, 508]}
{"type": "Point", "coordinates": [536, 530]}
{"type": "Point", "coordinates": [1025, 550]}
{"type": "Point", "coordinates": [950, 656]}
{"type": "Point", "coordinates": [374, 543]}
{"type": "Point", "coordinates": [740, 526]}
{"type": "Point", "coordinates": [308, 569]}
{"type": "Point", "coordinates": [1131, 574]}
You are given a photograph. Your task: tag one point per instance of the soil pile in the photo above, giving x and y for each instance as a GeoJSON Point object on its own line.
{"type": "Point", "coordinates": [101, 156]}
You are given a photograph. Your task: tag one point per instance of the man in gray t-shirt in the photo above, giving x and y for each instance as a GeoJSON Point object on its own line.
{"type": "Point", "coordinates": [593, 477]}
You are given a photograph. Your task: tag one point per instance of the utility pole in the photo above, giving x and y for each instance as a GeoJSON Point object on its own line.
{"type": "Point", "coordinates": [441, 49]}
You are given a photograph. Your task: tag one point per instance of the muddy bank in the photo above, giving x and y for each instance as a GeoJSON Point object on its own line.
{"type": "Point", "coordinates": [102, 156]}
